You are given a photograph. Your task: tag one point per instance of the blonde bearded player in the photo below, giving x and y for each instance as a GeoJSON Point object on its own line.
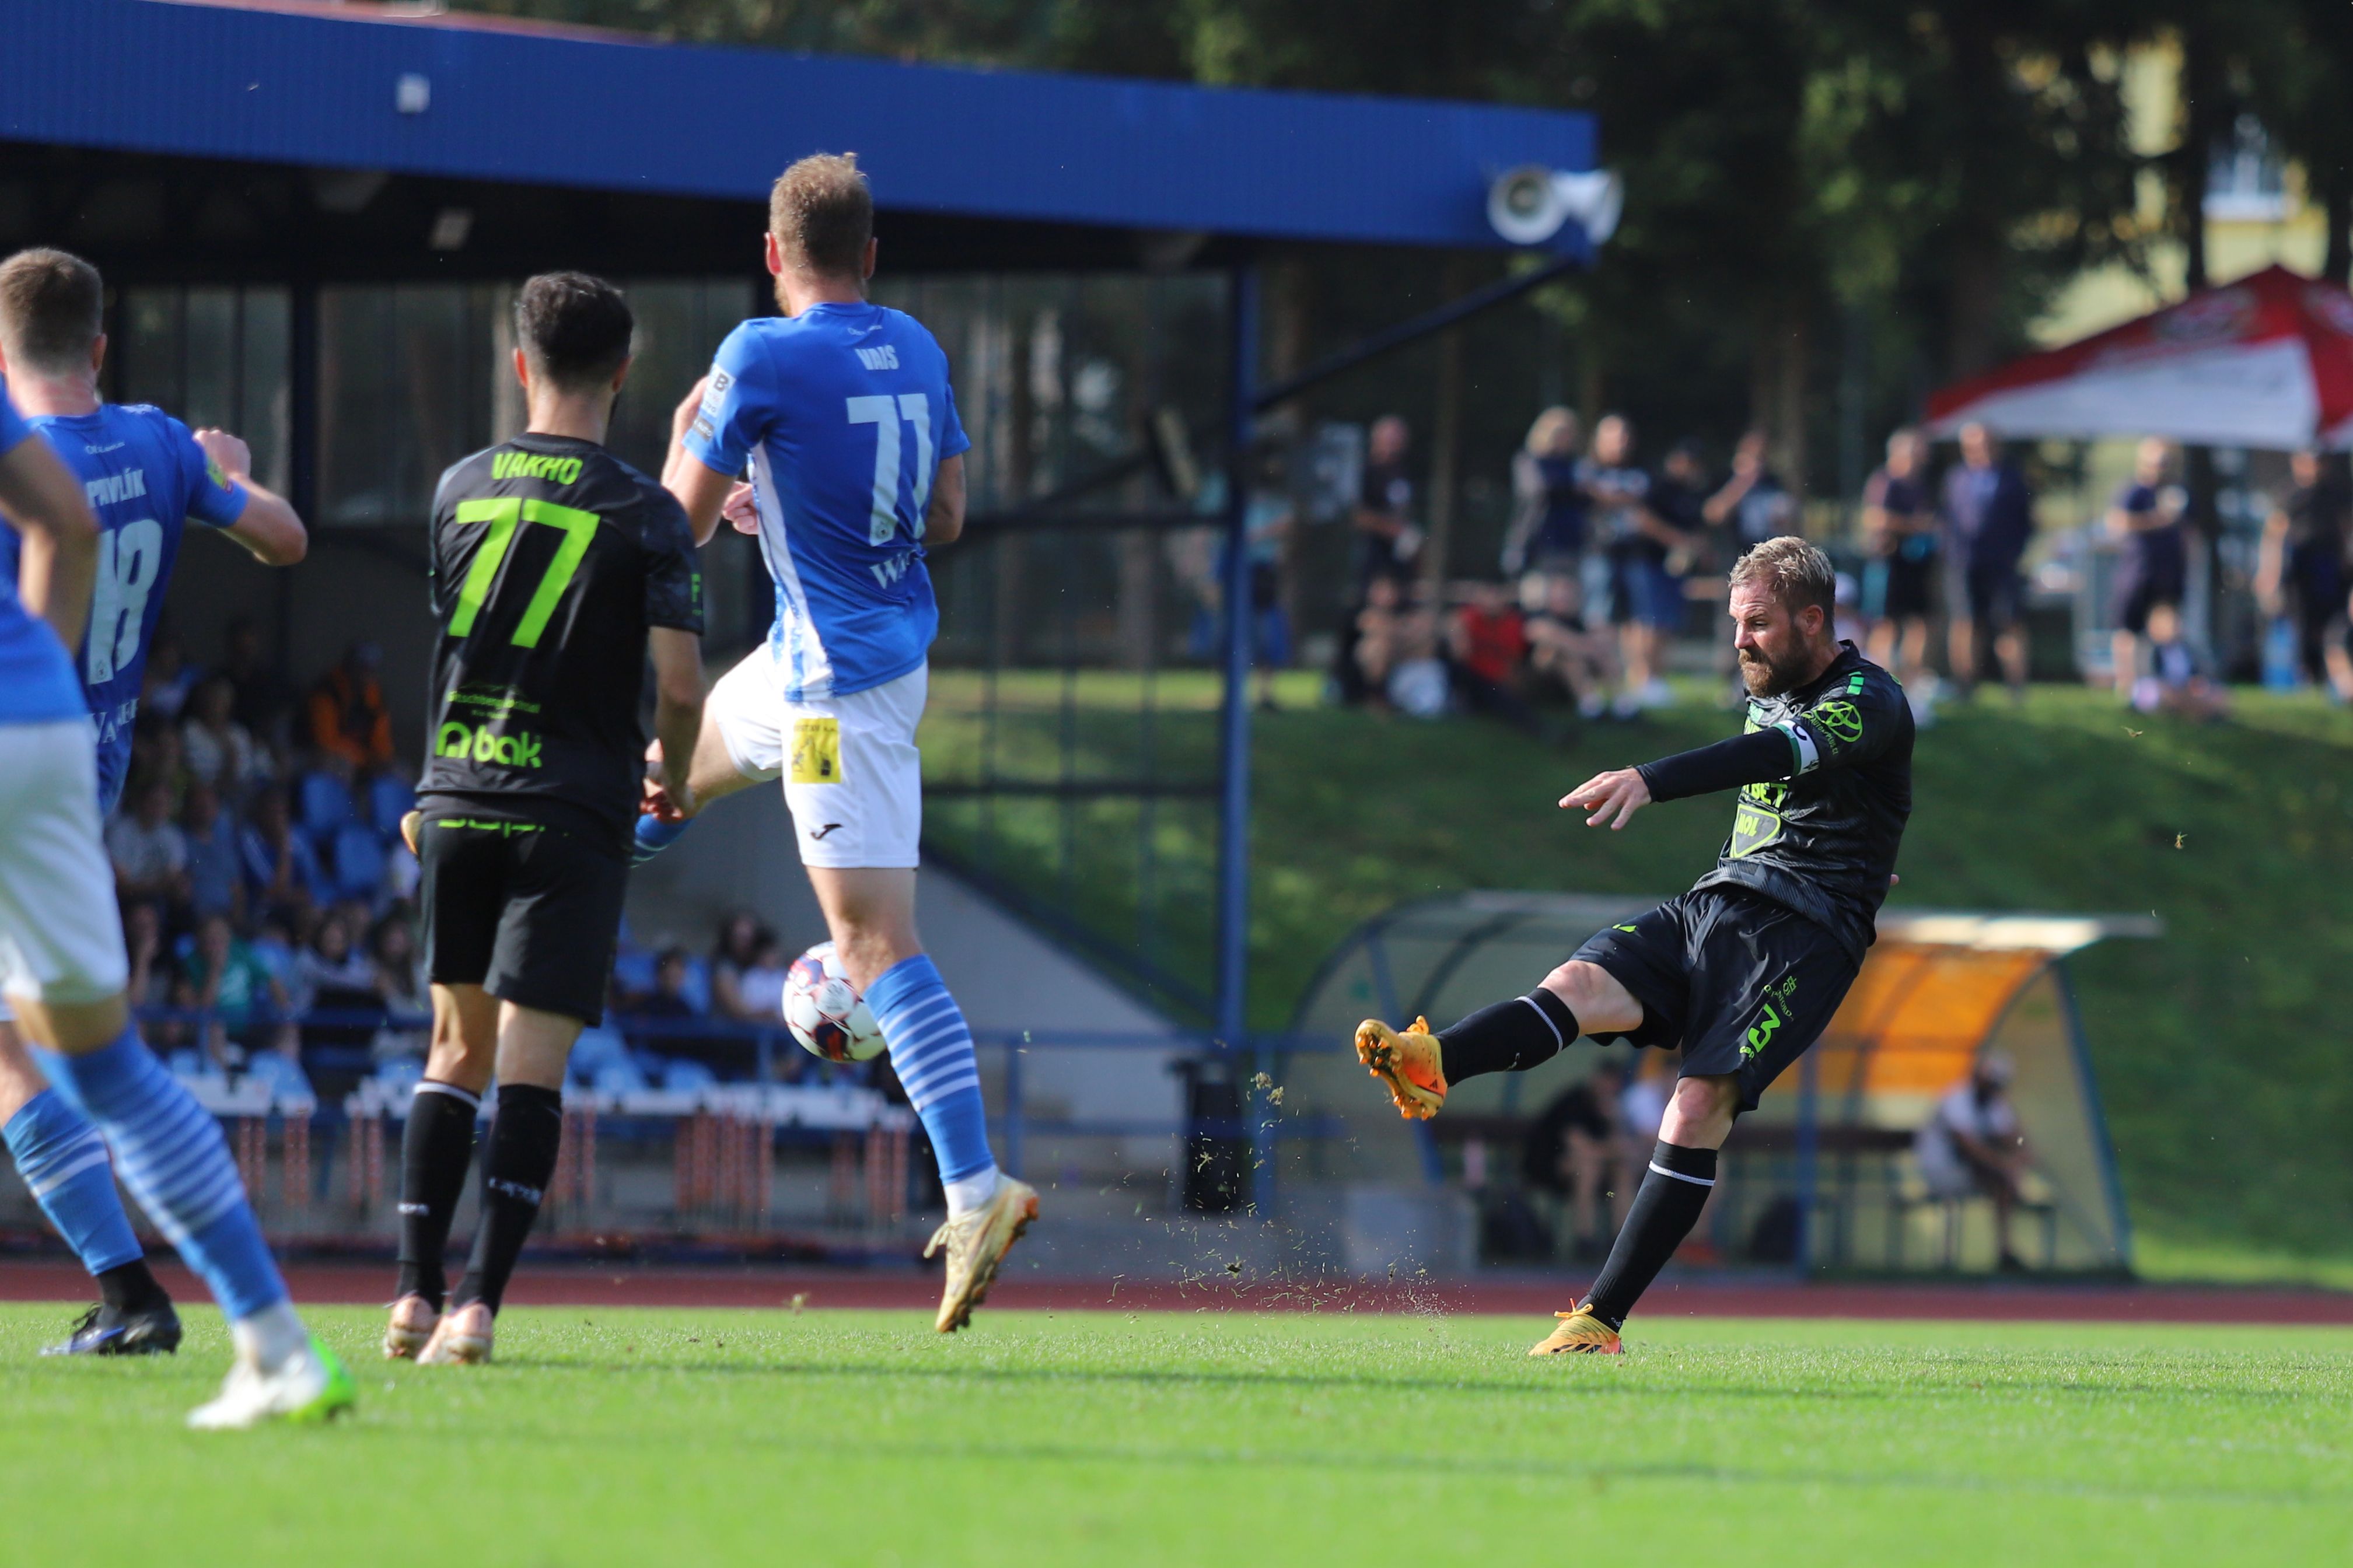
{"type": "Point", "coordinates": [843, 411]}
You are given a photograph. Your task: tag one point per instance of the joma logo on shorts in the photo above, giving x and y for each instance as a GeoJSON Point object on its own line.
{"type": "Point", "coordinates": [458, 742]}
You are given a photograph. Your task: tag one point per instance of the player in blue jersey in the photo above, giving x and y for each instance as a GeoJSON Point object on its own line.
{"type": "Point", "coordinates": [143, 474]}
{"type": "Point", "coordinates": [63, 969]}
{"type": "Point", "coordinates": [841, 410]}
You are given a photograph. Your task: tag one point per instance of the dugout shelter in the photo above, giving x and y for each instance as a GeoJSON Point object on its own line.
{"type": "Point", "coordinates": [1823, 1175]}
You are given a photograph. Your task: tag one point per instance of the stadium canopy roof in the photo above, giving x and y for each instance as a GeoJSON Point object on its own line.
{"type": "Point", "coordinates": [389, 119]}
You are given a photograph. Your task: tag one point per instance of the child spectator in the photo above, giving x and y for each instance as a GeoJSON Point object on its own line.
{"type": "Point", "coordinates": [2175, 684]}
{"type": "Point", "coordinates": [280, 868]}
{"type": "Point", "coordinates": [150, 853]}
{"type": "Point", "coordinates": [216, 748]}
{"type": "Point", "coordinates": [1564, 653]}
{"type": "Point", "coordinates": [348, 720]}
{"type": "Point", "coordinates": [215, 886]}
{"type": "Point", "coordinates": [1489, 644]}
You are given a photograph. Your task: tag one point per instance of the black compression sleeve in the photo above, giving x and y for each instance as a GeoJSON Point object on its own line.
{"type": "Point", "coordinates": [1748, 759]}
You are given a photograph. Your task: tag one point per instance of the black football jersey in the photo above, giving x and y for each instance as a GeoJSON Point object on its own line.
{"type": "Point", "coordinates": [1823, 841]}
{"type": "Point", "coordinates": [550, 558]}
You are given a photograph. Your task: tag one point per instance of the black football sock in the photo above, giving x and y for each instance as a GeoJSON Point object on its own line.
{"type": "Point", "coordinates": [435, 1152]}
{"type": "Point", "coordinates": [1510, 1037]}
{"type": "Point", "coordinates": [132, 1288]}
{"type": "Point", "coordinates": [516, 1166]}
{"type": "Point", "coordinates": [1665, 1207]}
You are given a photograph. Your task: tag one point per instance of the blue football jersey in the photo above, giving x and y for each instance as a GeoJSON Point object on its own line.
{"type": "Point", "coordinates": [145, 475]}
{"type": "Point", "coordinates": [844, 414]}
{"type": "Point", "coordinates": [37, 683]}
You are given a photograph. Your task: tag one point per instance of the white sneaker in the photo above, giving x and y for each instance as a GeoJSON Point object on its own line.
{"type": "Point", "coordinates": [311, 1385]}
{"type": "Point", "coordinates": [1657, 694]}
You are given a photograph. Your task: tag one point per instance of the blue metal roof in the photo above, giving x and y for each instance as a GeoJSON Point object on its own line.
{"type": "Point", "coordinates": [313, 86]}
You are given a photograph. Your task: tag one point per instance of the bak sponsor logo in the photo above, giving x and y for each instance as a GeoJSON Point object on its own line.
{"type": "Point", "coordinates": [884, 358]}
{"type": "Point", "coordinates": [459, 742]}
{"type": "Point", "coordinates": [131, 484]}
{"type": "Point", "coordinates": [1839, 720]}
{"type": "Point", "coordinates": [535, 466]}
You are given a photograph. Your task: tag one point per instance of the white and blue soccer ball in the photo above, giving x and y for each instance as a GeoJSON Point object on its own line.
{"type": "Point", "coordinates": [825, 1012]}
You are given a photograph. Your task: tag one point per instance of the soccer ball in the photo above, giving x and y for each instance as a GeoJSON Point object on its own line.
{"type": "Point", "coordinates": [825, 1012]}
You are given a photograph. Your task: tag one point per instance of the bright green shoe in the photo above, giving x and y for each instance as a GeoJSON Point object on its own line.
{"type": "Point", "coordinates": [311, 1388]}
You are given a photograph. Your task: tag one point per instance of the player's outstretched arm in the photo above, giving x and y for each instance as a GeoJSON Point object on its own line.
{"type": "Point", "coordinates": [1614, 796]}
{"type": "Point", "coordinates": [944, 516]}
{"type": "Point", "coordinates": [268, 526]}
{"type": "Point", "coordinates": [59, 567]}
{"type": "Point", "coordinates": [677, 710]}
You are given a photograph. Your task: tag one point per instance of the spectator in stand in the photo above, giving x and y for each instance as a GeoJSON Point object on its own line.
{"type": "Point", "coordinates": [220, 976]}
{"type": "Point", "coordinates": [1385, 541]}
{"type": "Point", "coordinates": [149, 851]}
{"type": "Point", "coordinates": [142, 936]}
{"type": "Point", "coordinates": [1574, 1150]}
{"type": "Point", "coordinates": [263, 699]}
{"type": "Point", "coordinates": [155, 758]}
{"type": "Point", "coordinates": [1549, 508]}
{"type": "Point", "coordinates": [760, 988]}
{"type": "Point", "coordinates": [1487, 645]}
{"type": "Point", "coordinates": [1899, 530]}
{"type": "Point", "coordinates": [335, 973]}
{"type": "Point", "coordinates": [1644, 595]}
{"type": "Point", "coordinates": [2301, 573]}
{"type": "Point", "coordinates": [1396, 652]}
{"type": "Point", "coordinates": [2152, 556]}
{"type": "Point", "coordinates": [400, 982]}
{"type": "Point", "coordinates": [740, 936]}
{"type": "Point", "coordinates": [215, 886]}
{"type": "Point", "coordinates": [1564, 653]}
{"type": "Point", "coordinates": [280, 868]}
{"type": "Point", "coordinates": [1753, 502]}
{"type": "Point", "coordinates": [1989, 522]}
{"type": "Point", "coordinates": [2175, 683]}
{"type": "Point", "coordinates": [1972, 1146]}
{"type": "Point", "coordinates": [667, 1000]}
{"type": "Point", "coordinates": [216, 748]}
{"type": "Point", "coordinates": [163, 688]}
{"type": "Point", "coordinates": [348, 720]}
{"type": "Point", "coordinates": [274, 949]}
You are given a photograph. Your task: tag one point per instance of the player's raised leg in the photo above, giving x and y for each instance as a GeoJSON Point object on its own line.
{"type": "Point", "coordinates": [64, 1162]}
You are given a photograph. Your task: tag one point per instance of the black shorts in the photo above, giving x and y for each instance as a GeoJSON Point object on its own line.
{"type": "Point", "coordinates": [1991, 597]}
{"type": "Point", "coordinates": [2136, 597]}
{"type": "Point", "coordinates": [531, 913]}
{"type": "Point", "coordinates": [1743, 984]}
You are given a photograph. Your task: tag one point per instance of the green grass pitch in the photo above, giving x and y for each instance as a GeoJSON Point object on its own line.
{"type": "Point", "coordinates": [622, 1437]}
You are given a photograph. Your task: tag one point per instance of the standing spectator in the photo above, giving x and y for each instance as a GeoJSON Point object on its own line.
{"type": "Point", "coordinates": [150, 853]}
{"type": "Point", "coordinates": [1267, 525]}
{"type": "Point", "coordinates": [1548, 531]}
{"type": "Point", "coordinates": [263, 699]}
{"type": "Point", "coordinates": [216, 748]}
{"type": "Point", "coordinates": [1644, 595]}
{"type": "Point", "coordinates": [1990, 521]}
{"type": "Point", "coordinates": [740, 936]}
{"type": "Point", "coordinates": [2302, 571]}
{"type": "Point", "coordinates": [1488, 644]}
{"type": "Point", "coordinates": [2152, 558]}
{"type": "Point", "coordinates": [163, 687]}
{"type": "Point", "coordinates": [1754, 501]}
{"type": "Point", "coordinates": [1899, 530]}
{"type": "Point", "coordinates": [348, 720]}
{"type": "Point", "coordinates": [1575, 1150]}
{"type": "Point", "coordinates": [1972, 1144]}
{"type": "Point", "coordinates": [215, 886]}
{"type": "Point", "coordinates": [1385, 540]}
{"type": "Point", "coordinates": [281, 871]}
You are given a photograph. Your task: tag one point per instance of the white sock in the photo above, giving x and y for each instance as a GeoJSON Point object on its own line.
{"type": "Point", "coordinates": [269, 1337]}
{"type": "Point", "coordinates": [969, 1194]}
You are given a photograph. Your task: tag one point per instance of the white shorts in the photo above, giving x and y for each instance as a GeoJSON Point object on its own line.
{"type": "Point", "coordinates": [852, 775]}
{"type": "Point", "coordinates": [60, 936]}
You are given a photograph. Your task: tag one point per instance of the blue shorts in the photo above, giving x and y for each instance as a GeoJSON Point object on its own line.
{"type": "Point", "coordinates": [1644, 592]}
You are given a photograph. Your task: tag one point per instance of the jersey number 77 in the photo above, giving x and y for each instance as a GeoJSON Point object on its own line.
{"type": "Point", "coordinates": [884, 411]}
{"type": "Point", "coordinates": [506, 514]}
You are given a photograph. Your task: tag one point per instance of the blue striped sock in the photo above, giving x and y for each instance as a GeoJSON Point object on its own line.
{"type": "Point", "coordinates": [654, 835]}
{"type": "Point", "coordinates": [931, 1050]}
{"type": "Point", "coordinates": [177, 1165]}
{"type": "Point", "coordinates": [64, 1160]}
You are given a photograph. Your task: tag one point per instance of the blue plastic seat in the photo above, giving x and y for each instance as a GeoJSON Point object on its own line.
{"type": "Point", "coordinates": [389, 799]}
{"type": "Point", "coordinates": [633, 969]}
{"type": "Point", "coordinates": [323, 805]}
{"type": "Point", "coordinates": [359, 861]}
{"type": "Point", "coordinates": [687, 1074]}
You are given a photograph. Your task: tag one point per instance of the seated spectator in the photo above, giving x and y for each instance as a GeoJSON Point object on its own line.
{"type": "Point", "coordinates": [150, 979]}
{"type": "Point", "coordinates": [741, 937]}
{"type": "Point", "coordinates": [1397, 651]}
{"type": "Point", "coordinates": [400, 982]}
{"type": "Point", "coordinates": [1564, 654]}
{"type": "Point", "coordinates": [348, 720]}
{"type": "Point", "coordinates": [163, 687]}
{"type": "Point", "coordinates": [2175, 684]}
{"type": "Point", "coordinates": [760, 989]}
{"type": "Point", "coordinates": [216, 749]}
{"type": "Point", "coordinates": [216, 883]}
{"type": "Point", "coordinates": [1972, 1146]}
{"type": "Point", "coordinates": [282, 869]}
{"type": "Point", "coordinates": [274, 949]}
{"type": "Point", "coordinates": [337, 978]}
{"type": "Point", "coordinates": [155, 758]}
{"type": "Point", "coordinates": [222, 977]}
{"type": "Point", "coordinates": [668, 999]}
{"type": "Point", "coordinates": [1574, 1150]}
{"type": "Point", "coordinates": [1488, 644]}
{"type": "Point", "coordinates": [263, 698]}
{"type": "Point", "coordinates": [150, 853]}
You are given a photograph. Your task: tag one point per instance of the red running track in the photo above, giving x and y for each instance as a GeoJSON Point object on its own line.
{"type": "Point", "coordinates": [582, 1285]}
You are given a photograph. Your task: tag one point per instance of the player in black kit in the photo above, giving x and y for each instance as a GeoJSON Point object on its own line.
{"type": "Point", "coordinates": [1744, 970]}
{"type": "Point", "coordinates": [556, 567]}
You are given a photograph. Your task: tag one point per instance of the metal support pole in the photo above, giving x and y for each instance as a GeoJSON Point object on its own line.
{"type": "Point", "coordinates": [1809, 1114]}
{"type": "Point", "coordinates": [1016, 1132]}
{"type": "Point", "coordinates": [1233, 845]}
{"type": "Point", "coordinates": [301, 448]}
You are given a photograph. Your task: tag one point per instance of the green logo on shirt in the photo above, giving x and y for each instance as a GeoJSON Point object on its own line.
{"type": "Point", "coordinates": [1839, 720]}
{"type": "Point", "coordinates": [1752, 827]}
{"type": "Point", "coordinates": [458, 742]}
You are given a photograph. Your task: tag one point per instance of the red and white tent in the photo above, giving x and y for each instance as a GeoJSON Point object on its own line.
{"type": "Point", "coordinates": [2267, 362]}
